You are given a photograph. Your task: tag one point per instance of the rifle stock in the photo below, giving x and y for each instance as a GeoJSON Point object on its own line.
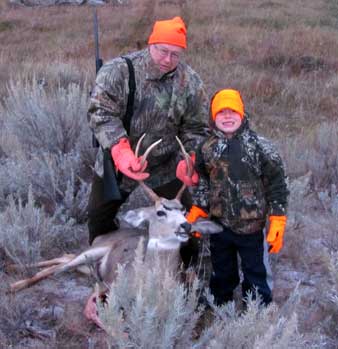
{"type": "Point", "coordinates": [110, 183]}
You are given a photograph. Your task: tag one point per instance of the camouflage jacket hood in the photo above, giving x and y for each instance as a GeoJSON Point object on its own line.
{"type": "Point", "coordinates": [165, 105]}
{"type": "Point", "coordinates": [242, 180]}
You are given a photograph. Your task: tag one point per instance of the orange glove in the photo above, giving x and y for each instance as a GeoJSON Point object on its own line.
{"type": "Point", "coordinates": [276, 233]}
{"type": "Point", "coordinates": [182, 169]}
{"type": "Point", "coordinates": [192, 216]}
{"type": "Point", "coordinates": [195, 213]}
{"type": "Point", "coordinates": [126, 161]}
{"type": "Point", "coordinates": [196, 234]}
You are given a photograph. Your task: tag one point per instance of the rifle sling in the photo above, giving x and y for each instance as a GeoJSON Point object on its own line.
{"type": "Point", "coordinates": [110, 180]}
{"type": "Point", "coordinates": [130, 102]}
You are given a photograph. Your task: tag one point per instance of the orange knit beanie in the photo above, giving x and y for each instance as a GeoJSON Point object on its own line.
{"type": "Point", "coordinates": [171, 31]}
{"type": "Point", "coordinates": [227, 99]}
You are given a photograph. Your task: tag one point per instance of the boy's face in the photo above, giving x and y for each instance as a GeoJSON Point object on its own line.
{"type": "Point", "coordinates": [228, 121]}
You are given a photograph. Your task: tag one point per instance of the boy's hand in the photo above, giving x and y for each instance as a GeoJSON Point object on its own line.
{"type": "Point", "coordinates": [276, 233]}
{"type": "Point", "coordinates": [192, 216]}
{"type": "Point", "coordinates": [182, 172]}
{"type": "Point", "coordinates": [126, 161]}
{"type": "Point", "coordinates": [195, 213]}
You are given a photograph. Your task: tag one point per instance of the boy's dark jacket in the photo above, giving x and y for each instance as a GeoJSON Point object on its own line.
{"type": "Point", "coordinates": [242, 180]}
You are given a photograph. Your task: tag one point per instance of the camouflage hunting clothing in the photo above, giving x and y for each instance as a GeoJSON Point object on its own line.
{"type": "Point", "coordinates": [165, 105]}
{"type": "Point", "coordinates": [242, 180]}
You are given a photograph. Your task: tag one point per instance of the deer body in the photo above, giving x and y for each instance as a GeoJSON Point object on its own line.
{"type": "Point", "coordinates": [106, 252]}
{"type": "Point", "coordinates": [168, 228]}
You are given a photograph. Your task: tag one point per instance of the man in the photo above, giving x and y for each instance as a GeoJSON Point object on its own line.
{"type": "Point", "coordinates": [169, 101]}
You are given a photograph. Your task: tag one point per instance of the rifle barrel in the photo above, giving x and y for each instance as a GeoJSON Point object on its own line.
{"type": "Point", "coordinates": [98, 60]}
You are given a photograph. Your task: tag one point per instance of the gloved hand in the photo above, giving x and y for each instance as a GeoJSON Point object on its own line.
{"type": "Point", "coordinates": [276, 233]}
{"type": "Point", "coordinates": [182, 169]}
{"type": "Point", "coordinates": [195, 213]}
{"type": "Point", "coordinates": [126, 161]}
{"type": "Point", "coordinates": [192, 216]}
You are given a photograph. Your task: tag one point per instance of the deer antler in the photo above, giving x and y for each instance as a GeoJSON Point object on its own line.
{"type": "Point", "coordinates": [147, 189]}
{"type": "Point", "coordinates": [190, 168]}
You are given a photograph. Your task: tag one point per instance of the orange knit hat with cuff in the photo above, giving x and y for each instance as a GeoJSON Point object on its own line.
{"type": "Point", "coordinates": [227, 98]}
{"type": "Point", "coordinates": [171, 31]}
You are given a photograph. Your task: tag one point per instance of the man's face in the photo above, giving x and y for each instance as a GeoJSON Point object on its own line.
{"type": "Point", "coordinates": [166, 56]}
{"type": "Point", "coordinates": [228, 121]}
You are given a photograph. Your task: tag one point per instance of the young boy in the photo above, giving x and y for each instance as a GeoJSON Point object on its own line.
{"type": "Point", "coordinates": [242, 185]}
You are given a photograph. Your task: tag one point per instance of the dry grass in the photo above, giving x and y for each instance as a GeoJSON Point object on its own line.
{"type": "Point", "coordinates": [278, 53]}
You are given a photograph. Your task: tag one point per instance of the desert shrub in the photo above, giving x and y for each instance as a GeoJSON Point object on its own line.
{"type": "Point", "coordinates": [148, 307]}
{"type": "Point", "coordinates": [22, 228]}
{"type": "Point", "coordinates": [57, 184]}
{"type": "Point", "coordinates": [59, 74]}
{"type": "Point", "coordinates": [16, 314]}
{"type": "Point", "coordinates": [55, 179]}
{"type": "Point", "coordinates": [256, 327]}
{"type": "Point", "coordinates": [313, 151]}
{"type": "Point", "coordinates": [46, 142]}
{"type": "Point", "coordinates": [149, 304]}
{"type": "Point", "coordinates": [329, 199]}
{"type": "Point", "coordinates": [42, 120]}
{"type": "Point", "coordinates": [328, 298]}
{"type": "Point", "coordinates": [27, 230]}
{"type": "Point", "coordinates": [333, 292]}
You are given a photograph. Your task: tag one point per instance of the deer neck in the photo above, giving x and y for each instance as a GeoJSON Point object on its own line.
{"type": "Point", "coordinates": [166, 250]}
{"type": "Point", "coordinates": [161, 238]}
{"type": "Point", "coordinates": [160, 244]}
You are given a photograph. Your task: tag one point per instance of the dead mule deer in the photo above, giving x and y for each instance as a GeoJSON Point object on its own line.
{"type": "Point", "coordinates": [168, 228]}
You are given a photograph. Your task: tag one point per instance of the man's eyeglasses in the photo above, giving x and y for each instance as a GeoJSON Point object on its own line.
{"type": "Point", "coordinates": [163, 52]}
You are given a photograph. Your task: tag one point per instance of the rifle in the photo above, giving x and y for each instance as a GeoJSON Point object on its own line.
{"type": "Point", "coordinates": [111, 189]}
{"type": "Point", "coordinates": [98, 60]}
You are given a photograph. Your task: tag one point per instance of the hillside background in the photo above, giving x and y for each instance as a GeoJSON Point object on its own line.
{"type": "Point", "coordinates": [282, 56]}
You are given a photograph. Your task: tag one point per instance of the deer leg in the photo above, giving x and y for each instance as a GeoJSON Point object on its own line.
{"type": "Point", "coordinates": [59, 260]}
{"type": "Point", "coordinates": [43, 274]}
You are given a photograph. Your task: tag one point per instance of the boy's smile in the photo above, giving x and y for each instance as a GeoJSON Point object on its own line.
{"type": "Point", "coordinates": [228, 121]}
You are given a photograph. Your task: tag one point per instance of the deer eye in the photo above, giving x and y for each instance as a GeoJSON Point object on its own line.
{"type": "Point", "coordinates": [161, 213]}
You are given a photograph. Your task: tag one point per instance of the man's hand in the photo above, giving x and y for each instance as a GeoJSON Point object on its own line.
{"type": "Point", "coordinates": [276, 233]}
{"type": "Point", "coordinates": [182, 172]}
{"type": "Point", "coordinates": [126, 161]}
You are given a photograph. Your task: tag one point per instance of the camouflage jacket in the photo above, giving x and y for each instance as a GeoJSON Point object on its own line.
{"type": "Point", "coordinates": [242, 180]}
{"type": "Point", "coordinates": [165, 105]}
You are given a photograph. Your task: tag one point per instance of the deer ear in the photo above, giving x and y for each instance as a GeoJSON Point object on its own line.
{"type": "Point", "coordinates": [136, 217]}
{"type": "Point", "coordinates": [205, 226]}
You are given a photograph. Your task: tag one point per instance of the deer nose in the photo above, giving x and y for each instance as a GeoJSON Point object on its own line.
{"type": "Point", "coordinates": [186, 227]}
